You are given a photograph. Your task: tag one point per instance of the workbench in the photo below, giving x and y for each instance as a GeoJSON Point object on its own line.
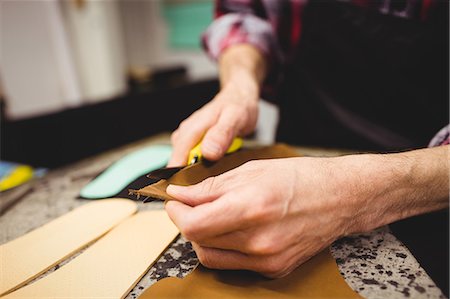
{"type": "Point", "coordinates": [374, 264]}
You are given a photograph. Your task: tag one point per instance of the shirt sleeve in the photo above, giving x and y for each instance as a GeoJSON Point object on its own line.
{"type": "Point", "coordinates": [237, 22]}
{"type": "Point", "coordinates": [441, 138]}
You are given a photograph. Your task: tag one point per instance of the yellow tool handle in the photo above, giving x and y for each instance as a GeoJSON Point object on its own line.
{"type": "Point", "coordinates": [196, 154]}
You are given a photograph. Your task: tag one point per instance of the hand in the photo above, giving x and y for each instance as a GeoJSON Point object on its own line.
{"type": "Point", "coordinates": [268, 216]}
{"type": "Point", "coordinates": [233, 112]}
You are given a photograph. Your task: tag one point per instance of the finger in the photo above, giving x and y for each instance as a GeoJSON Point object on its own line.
{"type": "Point", "coordinates": [273, 266]}
{"type": "Point", "coordinates": [218, 139]}
{"type": "Point", "coordinates": [189, 134]}
{"type": "Point", "coordinates": [233, 260]}
{"type": "Point", "coordinates": [237, 241]}
{"type": "Point", "coordinates": [227, 213]}
{"type": "Point", "coordinates": [259, 240]}
{"type": "Point", "coordinates": [175, 210]}
{"type": "Point", "coordinates": [207, 190]}
{"type": "Point", "coordinates": [182, 146]}
{"type": "Point", "coordinates": [247, 241]}
{"type": "Point", "coordinates": [203, 192]}
{"type": "Point", "coordinates": [221, 259]}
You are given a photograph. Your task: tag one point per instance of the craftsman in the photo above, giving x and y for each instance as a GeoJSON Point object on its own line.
{"type": "Point", "coordinates": [356, 74]}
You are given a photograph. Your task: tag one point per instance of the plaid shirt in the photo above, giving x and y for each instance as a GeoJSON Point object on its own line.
{"type": "Point", "coordinates": [275, 28]}
{"type": "Point", "coordinates": [441, 138]}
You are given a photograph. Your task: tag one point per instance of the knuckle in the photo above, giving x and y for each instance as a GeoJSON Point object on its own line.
{"type": "Point", "coordinates": [262, 246]}
{"type": "Point", "coordinates": [265, 208]}
{"type": "Point", "coordinates": [258, 214]}
{"type": "Point", "coordinates": [183, 125]}
{"type": "Point", "coordinates": [197, 113]}
{"type": "Point", "coordinates": [189, 231]}
{"type": "Point", "coordinates": [174, 137]}
{"type": "Point", "coordinates": [204, 257]}
{"type": "Point", "coordinates": [223, 132]}
{"type": "Point", "coordinates": [273, 267]}
{"type": "Point", "coordinates": [281, 272]}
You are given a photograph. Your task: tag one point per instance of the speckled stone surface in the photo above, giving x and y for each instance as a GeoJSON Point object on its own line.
{"type": "Point", "coordinates": [376, 264]}
{"type": "Point", "coordinates": [178, 261]}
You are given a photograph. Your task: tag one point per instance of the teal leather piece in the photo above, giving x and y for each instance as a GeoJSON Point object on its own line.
{"type": "Point", "coordinates": [126, 170]}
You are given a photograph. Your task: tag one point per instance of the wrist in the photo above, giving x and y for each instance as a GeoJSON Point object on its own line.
{"type": "Point", "coordinates": [378, 186]}
{"type": "Point", "coordinates": [242, 66]}
{"type": "Point", "coordinates": [390, 187]}
{"type": "Point", "coordinates": [244, 85]}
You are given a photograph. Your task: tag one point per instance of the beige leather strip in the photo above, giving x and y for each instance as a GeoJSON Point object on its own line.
{"type": "Point", "coordinates": [111, 266]}
{"type": "Point", "coordinates": [32, 254]}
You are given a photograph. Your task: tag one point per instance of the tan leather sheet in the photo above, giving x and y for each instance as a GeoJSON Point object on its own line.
{"type": "Point", "coordinates": [113, 265]}
{"type": "Point", "coordinates": [28, 256]}
{"type": "Point", "coordinates": [317, 278]}
{"type": "Point", "coordinates": [196, 173]}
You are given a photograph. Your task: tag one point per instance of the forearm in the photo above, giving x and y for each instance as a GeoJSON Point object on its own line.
{"type": "Point", "coordinates": [391, 187]}
{"type": "Point", "coordinates": [242, 66]}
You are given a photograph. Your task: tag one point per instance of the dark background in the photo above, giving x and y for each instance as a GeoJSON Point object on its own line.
{"type": "Point", "coordinates": [57, 139]}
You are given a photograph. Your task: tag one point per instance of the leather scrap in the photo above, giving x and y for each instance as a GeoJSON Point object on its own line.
{"type": "Point", "coordinates": [198, 172]}
{"type": "Point", "coordinates": [317, 278]}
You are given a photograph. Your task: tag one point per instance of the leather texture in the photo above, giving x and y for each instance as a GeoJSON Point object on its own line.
{"type": "Point", "coordinates": [197, 172]}
{"type": "Point", "coordinates": [113, 265]}
{"type": "Point", "coordinates": [317, 278]}
{"type": "Point", "coordinates": [30, 255]}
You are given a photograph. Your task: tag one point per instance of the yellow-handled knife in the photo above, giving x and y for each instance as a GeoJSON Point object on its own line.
{"type": "Point", "coordinates": [195, 155]}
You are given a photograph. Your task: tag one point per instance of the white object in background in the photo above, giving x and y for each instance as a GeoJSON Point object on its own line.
{"type": "Point", "coordinates": [37, 69]}
{"type": "Point", "coordinates": [138, 32]}
{"type": "Point", "coordinates": [96, 34]}
{"type": "Point", "coordinates": [64, 57]}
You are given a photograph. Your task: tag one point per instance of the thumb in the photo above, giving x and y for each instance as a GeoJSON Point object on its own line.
{"type": "Point", "coordinates": [206, 191]}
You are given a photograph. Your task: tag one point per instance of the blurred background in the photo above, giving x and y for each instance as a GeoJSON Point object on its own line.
{"type": "Point", "coordinates": [79, 77]}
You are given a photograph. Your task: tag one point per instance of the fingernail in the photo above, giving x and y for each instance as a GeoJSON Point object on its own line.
{"type": "Point", "coordinates": [174, 189]}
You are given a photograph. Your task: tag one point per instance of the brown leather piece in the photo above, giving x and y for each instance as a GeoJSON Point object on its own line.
{"type": "Point", "coordinates": [196, 173]}
{"type": "Point", "coordinates": [317, 278]}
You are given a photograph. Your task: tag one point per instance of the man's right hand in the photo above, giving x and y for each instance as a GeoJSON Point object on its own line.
{"type": "Point", "coordinates": [233, 112]}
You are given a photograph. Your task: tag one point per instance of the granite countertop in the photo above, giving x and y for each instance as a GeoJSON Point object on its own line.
{"type": "Point", "coordinates": [374, 264]}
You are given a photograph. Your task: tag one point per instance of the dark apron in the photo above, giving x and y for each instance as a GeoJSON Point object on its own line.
{"type": "Point", "coordinates": [364, 80]}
